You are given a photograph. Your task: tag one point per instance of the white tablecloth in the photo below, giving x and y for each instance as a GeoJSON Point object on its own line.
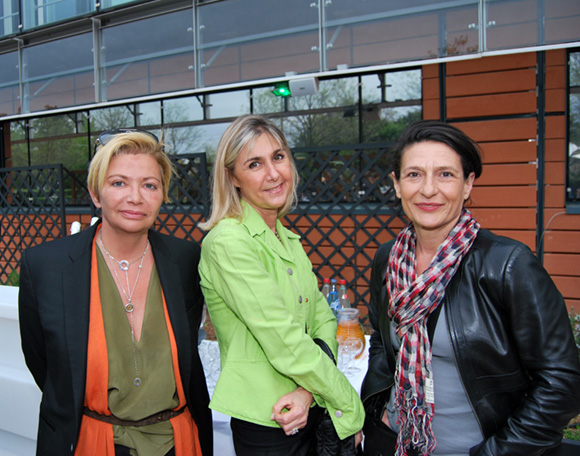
{"type": "Point", "coordinates": [209, 353]}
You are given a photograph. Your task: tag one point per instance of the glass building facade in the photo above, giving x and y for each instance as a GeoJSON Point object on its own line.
{"type": "Point", "coordinates": [72, 68]}
{"type": "Point", "coordinates": [65, 53]}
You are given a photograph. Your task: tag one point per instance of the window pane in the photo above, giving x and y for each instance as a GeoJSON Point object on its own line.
{"type": "Point", "coordinates": [331, 94]}
{"type": "Point", "coordinates": [312, 130]}
{"type": "Point", "coordinates": [392, 87]}
{"type": "Point", "coordinates": [386, 125]}
{"type": "Point", "coordinates": [521, 23]}
{"type": "Point", "coordinates": [9, 85]}
{"type": "Point", "coordinates": [111, 118]}
{"type": "Point", "coordinates": [575, 69]}
{"type": "Point", "coordinates": [561, 22]}
{"type": "Point", "coordinates": [183, 109]}
{"type": "Point", "coordinates": [110, 3]}
{"type": "Point", "coordinates": [210, 135]}
{"type": "Point", "coordinates": [149, 114]}
{"type": "Point", "coordinates": [186, 139]}
{"type": "Point", "coordinates": [265, 102]}
{"type": "Point", "coordinates": [241, 40]}
{"type": "Point", "coordinates": [403, 85]}
{"type": "Point", "coordinates": [574, 149]}
{"type": "Point", "coordinates": [8, 17]}
{"type": "Point", "coordinates": [54, 139]}
{"type": "Point", "coordinates": [150, 56]}
{"type": "Point", "coordinates": [379, 31]}
{"type": "Point", "coordinates": [18, 153]}
{"type": "Point", "coordinates": [58, 73]}
{"type": "Point", "coordinates": [228, 104]}
{"type": "Point", "coordinates": [41, 12]}
{"type": "Point", "coordinates": [573, 193]}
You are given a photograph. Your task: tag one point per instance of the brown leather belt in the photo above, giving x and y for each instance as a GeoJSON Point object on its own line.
{"type": "Point", "coordinates": [156, 418]}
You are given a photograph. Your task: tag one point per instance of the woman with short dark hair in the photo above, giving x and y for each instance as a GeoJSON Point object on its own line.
{"type": "Point", "coordinates": [472, 352]}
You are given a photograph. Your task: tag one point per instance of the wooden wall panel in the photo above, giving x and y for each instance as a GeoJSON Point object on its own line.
{"type": "Point", "coordinates": [500, 130]}
{"type": "Point", "coordinates": [491, 83]}
{"type": "Point", "coordinates": [492, 105]}
{"type": "Point", "coordinates": [508, 174]}
{"type": "Point", "coordinates": [565, 264]}
{"type": "Point", "coordinates": [568, 286]}
{"type": "Point", "coordinates": [562, 241]}
{"type": "Point", "coordinates": [506, 218]}
{"type": "Point", "coordinates": [554, 196]}
{"type": "Point", "coordinates": [555, 149]}
{"type": "Point", "coordinates": [509, 152]}
{"type": "Point", "coordinates": [506, 196]}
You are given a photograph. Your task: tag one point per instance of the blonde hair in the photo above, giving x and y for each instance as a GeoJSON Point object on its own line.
{"type": "Point", "coordinates": [226, 199]}
{"type": "Point", "coordinates": [131, 142]}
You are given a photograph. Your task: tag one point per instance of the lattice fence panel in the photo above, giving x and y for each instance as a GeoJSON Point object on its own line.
{"type": "Point", "coordinates": [32, 210]}
{"type": "Point", "coordinates": [190, 198]}
{"type": "Point", "coordinates": [347, 209]}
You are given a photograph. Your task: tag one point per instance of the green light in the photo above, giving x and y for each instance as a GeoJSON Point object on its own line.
{"type": "Point", "coordinates": [282, 90]}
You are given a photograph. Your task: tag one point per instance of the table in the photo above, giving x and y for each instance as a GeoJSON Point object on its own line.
{"type": "Point", "coordinates": [210, 358]}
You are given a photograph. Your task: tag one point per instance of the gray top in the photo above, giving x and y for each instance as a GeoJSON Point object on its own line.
{"type": "Point", "coordinates": [454, 424]}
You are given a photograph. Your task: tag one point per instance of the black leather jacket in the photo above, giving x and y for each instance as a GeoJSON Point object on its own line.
{"type": "Point", "coordinates": [513, 347]}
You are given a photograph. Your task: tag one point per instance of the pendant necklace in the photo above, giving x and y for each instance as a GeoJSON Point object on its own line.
{"type": "Point", "coordinates": [129, 307]}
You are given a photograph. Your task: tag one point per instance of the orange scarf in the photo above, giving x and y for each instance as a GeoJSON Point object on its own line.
{"type": "Point", "coordinates": [96, 437]}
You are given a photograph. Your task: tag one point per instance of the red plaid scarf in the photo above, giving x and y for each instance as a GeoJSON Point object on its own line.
{"type": "Point", "coordinates": [411, 301]}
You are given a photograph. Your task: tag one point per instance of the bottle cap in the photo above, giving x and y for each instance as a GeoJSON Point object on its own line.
{"type": "Point", "coordinates": [342, 281]}
{"type": "Point", "coordinates": [333, 280]}
{"type": "Point", "coordinates": [326, 280]}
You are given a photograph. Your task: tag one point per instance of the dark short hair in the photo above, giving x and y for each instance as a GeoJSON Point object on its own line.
{"type": "Point", "coordinates": [441, 132]}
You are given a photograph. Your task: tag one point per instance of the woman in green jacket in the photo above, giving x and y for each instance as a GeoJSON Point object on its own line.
{"type": "Point", "coordinates": [265, 305]}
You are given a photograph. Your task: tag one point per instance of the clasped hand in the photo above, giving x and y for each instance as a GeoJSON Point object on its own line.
{"type": "Point", "coordinates": [291, 410]}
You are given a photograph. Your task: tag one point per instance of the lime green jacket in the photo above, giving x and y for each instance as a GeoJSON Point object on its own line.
{"type": "Point", "coordinates": [264, 302]}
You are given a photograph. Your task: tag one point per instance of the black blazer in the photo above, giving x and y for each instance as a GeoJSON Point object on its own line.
{"type": "Point", "coordinates": [54, 301]}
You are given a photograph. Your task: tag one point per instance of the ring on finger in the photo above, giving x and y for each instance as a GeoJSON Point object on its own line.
{"type": "Point", "coordinates": [295, 431]}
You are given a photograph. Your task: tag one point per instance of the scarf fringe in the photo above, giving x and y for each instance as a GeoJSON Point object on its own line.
{"type": "Point", "coordinates": [415, 434]}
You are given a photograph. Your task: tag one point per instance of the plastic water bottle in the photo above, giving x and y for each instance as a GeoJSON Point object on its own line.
{"type": "Point", "coordinates": [333, 298]}
{"type": "Point", "coordinates": [325, 288]}
{"type": "Point", "coordinates": [343, 295]}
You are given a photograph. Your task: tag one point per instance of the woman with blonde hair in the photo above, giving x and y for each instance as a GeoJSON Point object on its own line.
{"type": "Point", "coordinates": [109, 319]}
{"type": "Point", "coordinates": [263, 299]}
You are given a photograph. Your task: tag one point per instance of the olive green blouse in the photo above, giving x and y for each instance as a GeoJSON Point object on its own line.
{"type": "Point", "coordinates": [152, 354]}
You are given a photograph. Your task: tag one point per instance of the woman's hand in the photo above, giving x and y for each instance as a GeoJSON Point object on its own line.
{"type": "Point", "coordinates": [297, 403]}
{"type": "Point", "coordinates": [385, 419]}
{"type": "Point", "coordinates": [358, 438]}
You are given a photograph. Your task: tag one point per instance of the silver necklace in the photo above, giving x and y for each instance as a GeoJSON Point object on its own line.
{"type": "Point", "coordinates": [129, 307]}
{"type": "Point", "coordinates": [277, 235]}
{"type": "Point", "coordinates": [123, 264]}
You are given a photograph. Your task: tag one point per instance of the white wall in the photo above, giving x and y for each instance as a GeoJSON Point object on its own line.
{"type": "Point", "coordinates": [19, 395]}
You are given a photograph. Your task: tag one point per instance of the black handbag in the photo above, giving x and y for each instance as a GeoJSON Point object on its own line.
{"type": "Point", "coordinates": [328, 443]}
